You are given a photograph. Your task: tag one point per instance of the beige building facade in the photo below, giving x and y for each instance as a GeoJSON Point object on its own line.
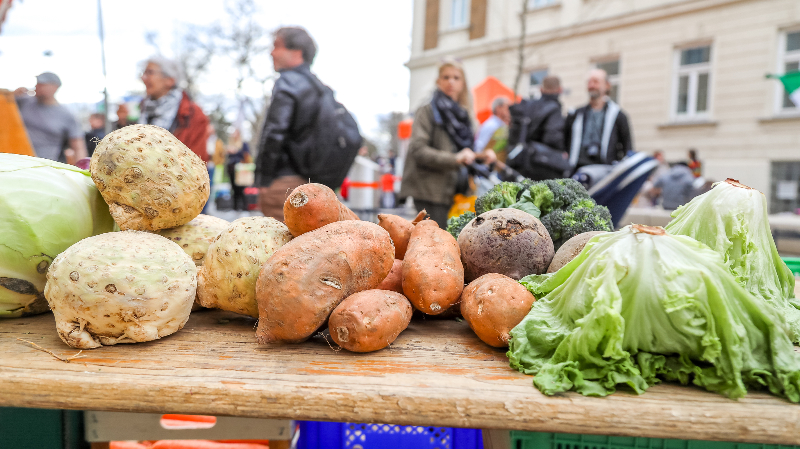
{"type": "Point", "coordinates": [689, 73]}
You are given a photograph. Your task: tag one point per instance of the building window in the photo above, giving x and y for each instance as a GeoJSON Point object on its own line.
{"type": "Point", "coordinates": [535, 83]}
{"type": "Point", "coordinates": [790, 49]}
{"type": "Point", "coordinates": [459, 13]}
{"type": "Point", "coordinates": [612, 69]}
{"type": "Point", "coordinates": [536, 4]}
{"type": "Point", "coordinates": [691, 83]}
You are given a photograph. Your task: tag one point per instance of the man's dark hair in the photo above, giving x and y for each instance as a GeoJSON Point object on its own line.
{"type": "Point", "coordinates": [297, 38]}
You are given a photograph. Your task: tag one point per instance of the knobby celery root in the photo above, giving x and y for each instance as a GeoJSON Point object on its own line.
{"type": "Point", "coordinates": [312, 206]}
{"type": "Point", "coordinates": [304, 280]}
{"type": "Point", "coordinates": [369, 320]}
{"type": "Point", "coordinates": [433, 276]}
{"type": "Point", "coordinates": [400, 230]}
{"type": "Point", "coordinates": [494, 304]}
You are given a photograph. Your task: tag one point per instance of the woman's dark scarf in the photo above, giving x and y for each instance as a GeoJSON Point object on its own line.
{"type": "Point", "coordinates": [454, 119]}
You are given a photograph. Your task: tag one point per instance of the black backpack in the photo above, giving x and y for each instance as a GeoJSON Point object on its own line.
{"type": "Point", "coordinates": [525, 154]}
{"type": "Point", "coordinates": [325, 150]}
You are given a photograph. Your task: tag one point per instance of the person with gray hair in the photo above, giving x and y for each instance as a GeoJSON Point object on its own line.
{"type": "Point", "coordinates": [495, 128]}
{"type": "Point", "coordinates": [52, 129]}
{"type": "Point", "coordinates": [168, 106]}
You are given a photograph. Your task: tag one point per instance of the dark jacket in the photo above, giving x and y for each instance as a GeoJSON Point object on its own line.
{"type": "Point", "coordinates": [546, 122]}
{"type": "Point", "coordinates": [430, 172]}
{"type": "Point", "coordinates": [293, 108]}
{"type": "Point", "coordinates": [616, 142]}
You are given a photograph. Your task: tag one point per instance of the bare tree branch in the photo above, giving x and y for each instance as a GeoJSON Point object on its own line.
{"type": "Point", "coordinates": [523, 21]}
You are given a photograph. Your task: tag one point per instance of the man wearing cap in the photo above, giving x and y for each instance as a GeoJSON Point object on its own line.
{"type": "Point", "coordinates": [54, 132]}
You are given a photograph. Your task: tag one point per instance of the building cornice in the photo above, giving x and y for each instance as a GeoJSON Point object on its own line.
{"type": "Point", "coordinates": [431, 57]}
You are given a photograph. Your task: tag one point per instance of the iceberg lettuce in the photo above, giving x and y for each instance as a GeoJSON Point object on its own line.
{"type": "Point", "coordinates": [45, 207]}
{"type": "Point", "coordinates": [638, 306]}
{"type": "Point", "coordinates": [732, 219]}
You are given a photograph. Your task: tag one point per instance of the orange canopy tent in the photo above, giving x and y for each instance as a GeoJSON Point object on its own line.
{"type": "Point", "coordinates": [485, 92]}
{"type": "Point", "coordinates": [13, 137]}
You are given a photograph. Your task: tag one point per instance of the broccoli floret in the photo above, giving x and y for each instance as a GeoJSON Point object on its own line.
{"type": "Point", "coordinates": [583, 216]}
{"type": "Point", "coordinates": [565, 192]}
{"type": "Point", "coordinates": [542, 197]}
{"type": "Point", "coordinates": [524, 185]}
{"type": "Point", "coordinates": [501, 195]}
{"type": "Point", "coordinates": [456, 224]}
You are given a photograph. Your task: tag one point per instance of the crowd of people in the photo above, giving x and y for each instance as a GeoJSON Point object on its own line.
{"type": "Point", "coordinates": [444, 141]}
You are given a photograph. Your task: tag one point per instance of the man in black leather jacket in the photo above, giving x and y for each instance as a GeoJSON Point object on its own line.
{"type": "Point", "coordinates": [546, 125]}
{"type": "Point", "coordinates": [293, 108]}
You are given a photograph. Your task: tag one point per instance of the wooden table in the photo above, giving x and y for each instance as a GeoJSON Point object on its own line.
{"type": "Point", "coordinates": [436, 373]}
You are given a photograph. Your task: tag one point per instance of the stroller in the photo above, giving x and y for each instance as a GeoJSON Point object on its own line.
{"type": "Point", "coordinates": [615, 186]}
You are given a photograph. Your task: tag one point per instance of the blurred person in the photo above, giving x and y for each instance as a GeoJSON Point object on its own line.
{"type": "Point", "coordinates": [293, 108]}
{"type": "Point", "coordinates": [597, 133]}
{"type": "Point", "coordinates": [695, 164]}
{"type": "Point", "coordinates": [496, 126]}
{"type": "Point", "coordinates": [97, 123]}
{"type": "Point", "coordinates": [675, 187]}
{"type": "Point", "coordinates": [441, 143]}
{"type": "Point", "coordinates": [648, 196]}
{"type": "Point", "coordinates": [216, 149]}
{"type": "Point", "coordinates": [52, 129]}
{"type": "Point", "coordinates": [122, 117]}
{"type": "Point", "coordinates": [545, 125]}
{"type": "Point", "coordinates": [238, 152]}
{"type": "Point", "coordinates": [168, 106]}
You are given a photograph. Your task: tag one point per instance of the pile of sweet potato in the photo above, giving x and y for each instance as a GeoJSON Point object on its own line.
{"type": "Point", "coordinates": [363, 280]}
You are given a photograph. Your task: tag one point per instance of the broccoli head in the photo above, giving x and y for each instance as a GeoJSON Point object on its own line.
{"type": "Point", "coordinates": [542, 197]}
{"type": "Point", "coordinates": [583, 216]}
{"type": "Point", "coordinates": [565, 192]}
{"type": "Point", "coordinates": [501, 195]}
{"type": "Point", "coordinates": [456, 224]}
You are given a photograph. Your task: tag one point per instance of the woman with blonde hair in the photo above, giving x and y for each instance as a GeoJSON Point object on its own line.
{"type": "Point", "coordinates": [441, 143]}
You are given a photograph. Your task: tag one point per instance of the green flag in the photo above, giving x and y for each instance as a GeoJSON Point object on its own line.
{"type": "Point", "coordinates": [791, 82]}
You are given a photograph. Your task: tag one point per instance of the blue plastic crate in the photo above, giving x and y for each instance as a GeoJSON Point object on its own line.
{"type": "Point", "coordinates": [326, 435]}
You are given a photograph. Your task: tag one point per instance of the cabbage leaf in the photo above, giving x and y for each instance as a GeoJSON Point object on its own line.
{"type": "Point", "coordinates": [732, 219]}
{"type": "Point", "coordinates": [638, 306]}
{"type": "Point", "coordinates": [45, 207]}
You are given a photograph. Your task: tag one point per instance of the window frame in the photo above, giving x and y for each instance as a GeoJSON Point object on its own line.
{"type": "Point", "coordinates": [693, 71]}
{"type": "Point", "coordinates": [533, 7]}
{"type": "Point", "coordinates": [465, 15]}
{"type": "Point", "coordinates": [535, 90]}
{"type": "Point", "coordinates": [783, 58]}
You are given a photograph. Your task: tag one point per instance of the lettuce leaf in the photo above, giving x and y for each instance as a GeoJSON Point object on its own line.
{"type": "Point", "coordinates": [639, 306]}
{"type": "Point", "coordinates": [732, 219]}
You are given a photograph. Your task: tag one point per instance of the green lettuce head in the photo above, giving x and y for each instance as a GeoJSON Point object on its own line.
{"type": "Point", "coordinates": [732, 220]}
{"type": "Point", "coordinates": [45, 207]}
{"type": "Point", "coordinates": [639, 306]}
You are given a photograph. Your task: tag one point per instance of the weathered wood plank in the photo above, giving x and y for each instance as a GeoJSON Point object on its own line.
{"type": "Point", "coordinates": [436, 373]}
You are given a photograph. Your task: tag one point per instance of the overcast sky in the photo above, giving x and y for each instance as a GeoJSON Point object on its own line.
{"type": "Point", "coordinates": [363, 45]}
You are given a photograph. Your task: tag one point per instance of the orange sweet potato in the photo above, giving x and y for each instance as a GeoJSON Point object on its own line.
{"type": "Point", "coordinates": [400, 230]}
{"type": "Point", "coordinates": [394, 280]}
{"type": "Point", "coordinates": [304, 280]}
{"type": "Point", "coordinates": [369, 320]}
{"type": "Point", "coordinates": [492, 305]}
{"type": "Point", "coordinates": [433, 276]}
{"type": "Point", "coordinates": [312, 206]}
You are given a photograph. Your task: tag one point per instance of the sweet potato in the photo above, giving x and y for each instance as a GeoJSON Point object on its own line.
{"type": "Point", "coordinates": [394, 280]}
{"type": "Point", "coordinates": [400, 230]}
{"type": "Point", "coordinates": [492, 305]}
{"type": "Point", "coordinates": [312, 206]}
{"type": "Point", "coordinates": [369, 320]}
{"type": "Point", "coordinates": [433, 276]}
{"type": "Point", "coordinates": [304, 280]}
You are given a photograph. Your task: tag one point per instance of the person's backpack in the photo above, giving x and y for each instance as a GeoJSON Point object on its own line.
{"type": "Point", "coordinates": [325, 150]}
{"type": "Point", "coordinates": [525, 154]}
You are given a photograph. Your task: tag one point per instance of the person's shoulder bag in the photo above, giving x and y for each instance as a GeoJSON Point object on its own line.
{"type": "Point", "coordinates": [527, 156]}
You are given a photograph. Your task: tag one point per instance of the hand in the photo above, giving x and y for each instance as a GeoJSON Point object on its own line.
{"type": "Point", "coordinates": [487, 156]}
{"type": "Point", "coordinates": [465, 156]}
{"type": "Point", "coordinates": [69, 154]}
{"type": "Point", "coordinates": [20, 91]}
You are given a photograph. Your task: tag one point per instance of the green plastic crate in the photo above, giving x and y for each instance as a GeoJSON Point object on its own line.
{"type": "Point", "coordinates": [542, 440]}
{"type": "Point", "coordinates": [793, 263]}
